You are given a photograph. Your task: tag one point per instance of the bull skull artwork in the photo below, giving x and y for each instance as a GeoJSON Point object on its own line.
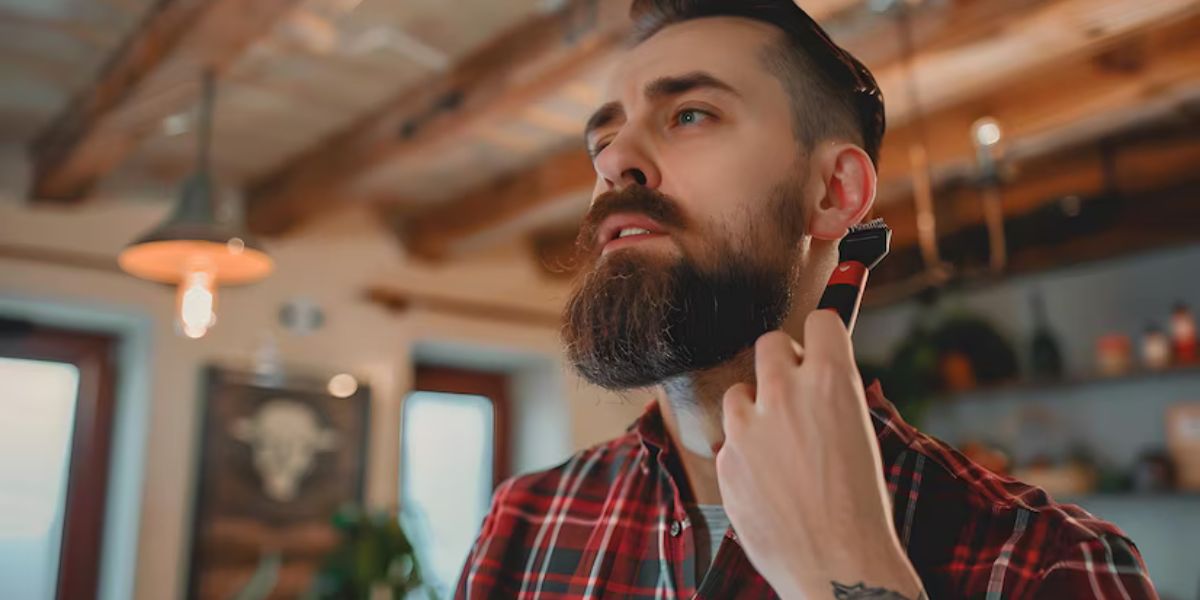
{"type": "Point", "coordinates": [285, 437]}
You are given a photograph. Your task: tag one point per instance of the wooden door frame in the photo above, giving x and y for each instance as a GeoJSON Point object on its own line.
{"type": "Point", "coordinates": [94, 354]}
{"type": "Point", "coordinates": [493, 386]}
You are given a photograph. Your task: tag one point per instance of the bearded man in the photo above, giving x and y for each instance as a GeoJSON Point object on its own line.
{"type": "Point", "coordinates": [737, 147]}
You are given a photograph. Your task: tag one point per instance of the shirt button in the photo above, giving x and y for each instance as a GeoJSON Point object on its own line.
{"type": "Point", "coordinates": [676, 528]}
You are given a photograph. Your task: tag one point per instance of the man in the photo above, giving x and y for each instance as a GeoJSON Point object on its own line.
{"type": "Point", "coordinates": [736, 148]}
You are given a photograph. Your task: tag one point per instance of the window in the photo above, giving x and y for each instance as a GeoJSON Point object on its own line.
{"type": "Point", "coordinates": [56, 408]}
{"type": "Point", "coordinates": [452, 458]}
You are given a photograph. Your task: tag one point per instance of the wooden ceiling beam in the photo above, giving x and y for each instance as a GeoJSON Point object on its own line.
{"type": "Point", "coordinates": [500, 80]}
{"type": "Point", "coordinates": [436, 234]}
{"type": "Point", "coordinates": [1032, 45]}
{"type": "Point", "coordinates": [1083, 99]}
{"type": "Point", "coordinates": [1078, 172]}
{"type": "Point", "coordinates": [503, 77]}
{"type": "Point", "coordinates": [401, 301]}
{"type": "Point", "coordinates": [155, 73]}
{"type": "Point", "coordinates": [1069, 208]}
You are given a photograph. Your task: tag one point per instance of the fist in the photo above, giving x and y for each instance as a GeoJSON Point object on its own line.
{"type": "Point", "coordinates": [800, 472]}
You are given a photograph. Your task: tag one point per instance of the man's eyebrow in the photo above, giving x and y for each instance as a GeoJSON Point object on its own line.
{"type": "Point", "coordinates": [662, 87]}
{"type": "Point", "coordinates": [678, 84]}
{"type": "Point", "coordinates": [603, 116]}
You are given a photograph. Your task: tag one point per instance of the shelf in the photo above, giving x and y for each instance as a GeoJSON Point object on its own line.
{"type": "Point", "coordinates": [1038, 387]}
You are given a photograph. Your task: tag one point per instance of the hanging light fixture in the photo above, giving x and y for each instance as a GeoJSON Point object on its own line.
{"type": "Point", "coordinates": [936, 270]}
{"type": "Point", "coordinates": [987, 135]}
{"type": "Point", "coordinates": [193, 249]}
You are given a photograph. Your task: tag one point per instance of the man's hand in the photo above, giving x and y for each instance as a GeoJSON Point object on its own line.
{"type": "Point", "coordinates": [800, 472]}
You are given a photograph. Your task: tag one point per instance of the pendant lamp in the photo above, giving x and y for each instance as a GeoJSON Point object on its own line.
{"type": "Point", "coordinates": [193, 249]}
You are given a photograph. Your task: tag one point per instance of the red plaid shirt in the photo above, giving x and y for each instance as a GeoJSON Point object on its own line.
{"type": "Point", "coordinates": [613, 522]}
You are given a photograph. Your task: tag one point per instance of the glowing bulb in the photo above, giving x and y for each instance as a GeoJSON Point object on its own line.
{"type": "Point", "coordinates": [197, 303]}
{"type": "Point", "coordinates": [342, 385]}
{"type": "Point", "coordinates": [987, 132]}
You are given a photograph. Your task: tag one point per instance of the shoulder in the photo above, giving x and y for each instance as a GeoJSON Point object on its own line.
{"type": "Point", "coordinates": [987, 530]}
{"type": "Point", "coordinates": [1031, 511]}
{"type": "Point", "coordinates": [939, 474]}
{"type": "Point", "coordinates": [584, 474]}
{"type": "Point", "coordinates": [563, 502]}
{"type": "Point", "coordinates": [1011, 537]}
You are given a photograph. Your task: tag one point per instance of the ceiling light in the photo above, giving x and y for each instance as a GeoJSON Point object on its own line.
{"type": "Point", "coordinates": [193, 249]}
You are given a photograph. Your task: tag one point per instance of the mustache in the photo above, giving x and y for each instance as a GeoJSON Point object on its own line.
{"type": "Point", "coordinates": [633, 199]}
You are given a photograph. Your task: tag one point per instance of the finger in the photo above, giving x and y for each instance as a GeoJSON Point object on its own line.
{"type": "Point", "coordinates": [776, 355]}
{"type": "Point", "coordinates": [736, 405]}
{"type": "Point", "coordinates": [826, 337]}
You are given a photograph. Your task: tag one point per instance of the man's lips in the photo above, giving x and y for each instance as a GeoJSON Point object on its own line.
{"type": "Point", "coordinates": [608, 235]}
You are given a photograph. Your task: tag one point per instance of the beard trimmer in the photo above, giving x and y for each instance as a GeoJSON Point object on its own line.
{"type": "Point", "coordinates": [860, 251]}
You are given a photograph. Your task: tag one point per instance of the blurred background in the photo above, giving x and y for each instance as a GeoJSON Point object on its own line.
{"type": "Point", "coordinates": [280, 279]}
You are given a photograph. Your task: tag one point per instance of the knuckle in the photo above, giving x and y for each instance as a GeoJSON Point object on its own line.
{"type": "Point", "coordinates": [738, 391]}
{"type": "Point", "coordinates": [775, 386]}
{"type": "Point", "coordinates": [770, 340]}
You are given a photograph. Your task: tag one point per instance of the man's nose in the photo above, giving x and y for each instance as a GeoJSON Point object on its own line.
{"type": "Point", "coordinates": [625, 162]}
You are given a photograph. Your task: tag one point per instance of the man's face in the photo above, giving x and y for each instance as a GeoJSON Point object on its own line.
{"type": "Point", "coordinates": [695, 146]}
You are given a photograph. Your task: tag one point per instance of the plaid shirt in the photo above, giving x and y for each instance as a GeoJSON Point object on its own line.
{"type": "Point", "coordinates": [613, 522]}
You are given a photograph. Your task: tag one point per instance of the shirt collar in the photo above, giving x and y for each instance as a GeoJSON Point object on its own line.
{"type": "Point", "coordinates": [650, 429]}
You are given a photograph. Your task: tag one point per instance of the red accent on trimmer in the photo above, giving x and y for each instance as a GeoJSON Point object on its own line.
{"type": "Point", "coordinates": [850, 272]}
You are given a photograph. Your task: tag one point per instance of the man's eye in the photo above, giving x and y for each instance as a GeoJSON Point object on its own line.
{"type": "Point", "coordinates": [691, 116]}
{"type": "Point", "coordinates": [598, 148]}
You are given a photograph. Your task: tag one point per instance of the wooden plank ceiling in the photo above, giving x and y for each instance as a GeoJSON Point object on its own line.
{"type": "Point", "coordinates": [461, 123]}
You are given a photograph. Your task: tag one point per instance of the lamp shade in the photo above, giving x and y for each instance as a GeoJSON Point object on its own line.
{"type": "Point", "coordinates": [193, 238]}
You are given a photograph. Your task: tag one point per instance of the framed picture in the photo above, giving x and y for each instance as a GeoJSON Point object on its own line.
{"type": "Point", "coordinates": [276, 462]}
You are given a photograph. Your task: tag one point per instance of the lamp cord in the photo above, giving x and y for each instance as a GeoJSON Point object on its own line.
{"type": "Point", "coordinates": [204, 135]}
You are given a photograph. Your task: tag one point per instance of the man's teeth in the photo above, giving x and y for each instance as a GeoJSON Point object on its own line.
{"type": "Point", "coordinates": [632, 231]}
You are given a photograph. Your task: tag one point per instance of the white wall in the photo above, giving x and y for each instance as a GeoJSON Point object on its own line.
{"type": "Point", "coordinates": [154, 461]}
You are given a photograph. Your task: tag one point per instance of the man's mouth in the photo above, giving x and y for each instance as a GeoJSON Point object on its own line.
{"type": "Point", "coordinates": [622, 230]}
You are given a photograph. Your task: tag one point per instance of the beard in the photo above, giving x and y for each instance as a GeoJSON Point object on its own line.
{"type": "Point", "coordinates": [635, 319]}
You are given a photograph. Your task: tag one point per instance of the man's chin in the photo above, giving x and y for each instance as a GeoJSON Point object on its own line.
{"type": "Point", "coordinates": [616, 322]}
{"type": "Point", "coordinates": [639, 318]}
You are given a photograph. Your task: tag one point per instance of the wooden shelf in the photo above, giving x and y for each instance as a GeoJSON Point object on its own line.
{"type": "Point", "coordinates": [1072, 382]}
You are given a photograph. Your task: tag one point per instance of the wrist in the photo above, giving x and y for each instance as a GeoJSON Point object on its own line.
{"type": "Point", "coordinates": [893, 578]}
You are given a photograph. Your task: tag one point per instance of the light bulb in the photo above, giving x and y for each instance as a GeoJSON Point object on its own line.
{"type": "Point", "coordinates": [197, 302]}
{"type": "Point", "coordinates": [343, 385]}
{"type": "Point", "coordinates": [987, 132]}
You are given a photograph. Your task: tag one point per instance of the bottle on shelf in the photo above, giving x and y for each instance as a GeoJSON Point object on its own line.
{"type": "Point", "coordinates": [1045, 356]}
{"type": "Point", "coordinates": [1156, 349]}
{"type": "Point", "coordinates": [1183, 334]}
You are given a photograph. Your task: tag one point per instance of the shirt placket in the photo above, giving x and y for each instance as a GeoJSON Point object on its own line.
{"type": "Point", "coordinates": [677, 532]}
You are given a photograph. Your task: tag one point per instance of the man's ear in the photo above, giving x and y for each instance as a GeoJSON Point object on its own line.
{"type": "Point", "coordinates": [850, 182]}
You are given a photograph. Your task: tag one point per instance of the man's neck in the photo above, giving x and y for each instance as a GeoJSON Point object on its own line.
{"type": "Point", "coordinates": [691, 408]}
{"type": "Point", "coordinates": [691, 403]}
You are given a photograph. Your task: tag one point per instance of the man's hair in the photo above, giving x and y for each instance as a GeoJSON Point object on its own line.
{"type": "Point", "coordinates": [833, 94]}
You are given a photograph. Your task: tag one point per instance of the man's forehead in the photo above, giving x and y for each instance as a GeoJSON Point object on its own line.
{"type": "Point", "coordinates": [723, 46]}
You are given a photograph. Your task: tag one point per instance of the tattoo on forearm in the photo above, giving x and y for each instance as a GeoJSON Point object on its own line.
{"type": "Point", "coordinates": [860, 591]}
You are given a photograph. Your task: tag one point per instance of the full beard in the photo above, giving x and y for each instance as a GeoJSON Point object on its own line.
{"type": "Point", "coordinates": [637, 319]}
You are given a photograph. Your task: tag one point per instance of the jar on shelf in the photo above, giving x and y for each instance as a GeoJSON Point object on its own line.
{"type": "Point", "coordinates": [1156, 349]}
{"type": "Point", "coordinates": [1112, 354]}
